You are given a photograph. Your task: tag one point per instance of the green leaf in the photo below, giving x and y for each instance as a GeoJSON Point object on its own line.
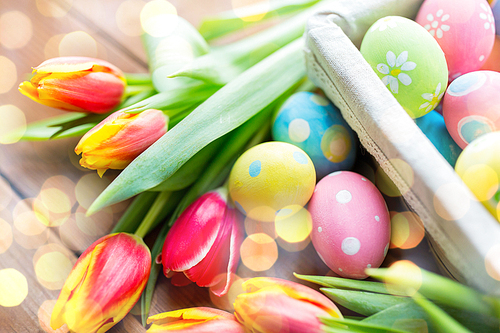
{"type": "Point", "coordinates": [227, 109]}
{"type": "Point", "coordinates": [227, 22]}
{"type": "Point", "coordinates": [406, 316]}
{"type": "Point", "coordinates": [138, 78]}
{"type": "Point", "coordinates": [357, 326]}
{"type": "Point", "coordinates": [135, 213]}
{"type": "Point", "coordinates": [343, 283]}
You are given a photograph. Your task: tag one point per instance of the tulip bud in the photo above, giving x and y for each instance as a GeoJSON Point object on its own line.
{"type": "Point", "coordinates": [118, 139]}
{"type": "Point", "coordinates": [103, 286]}
{"type": "Point", "coordinates": [195, 320]}
{"type": "Point", "coordinates": [204, 243]}
{"type": "Point", "coordinates": [76, 84]}
{"type": "Point", "coordinates": [274, 305]}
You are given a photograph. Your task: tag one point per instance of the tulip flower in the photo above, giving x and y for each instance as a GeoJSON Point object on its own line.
{"type": "Point", "coordinates": [195, 320]}
{"type": "Point", "coordinates": [204, 243]}
{"type": "Point", "coordinates": [275, 305]}
{"type": "Point", "coordinates": [118, 139]}
{"type": "Point", "coordinates": [103, 286]}
{"type": "Point", "coordinates": [76, 84]}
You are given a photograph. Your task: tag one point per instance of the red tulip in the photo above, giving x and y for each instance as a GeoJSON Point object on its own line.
{"type": "Point", "coordinates": [272, 305]}
{"type": "Point", "coordinates": [76, 84]}
{"type": "Point", "coordinates": [103, 286]}
{"type": "Point", "coordinates": [195, 320]}
{"type": "Point", "coordinates": [204, 243]}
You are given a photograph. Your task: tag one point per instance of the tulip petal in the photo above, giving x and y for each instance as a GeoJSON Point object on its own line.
{"type": "Point", "coordinates": [27, 89]}
{"type": "Point", "coordinates": [77, 64]}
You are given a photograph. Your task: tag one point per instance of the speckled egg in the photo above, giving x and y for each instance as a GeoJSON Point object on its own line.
{"type": "Point", "coordinates": [351, 224]}
{"type": "Point", "coordinates": [271, 178]}
{"type": "Point", "coordinates": [433, 126]}
{"type": "Point", "coordinates": [314, 124]}
{"type": "Point", "coordinates": [465, 30]}
{"type": "Point", "coordinates": [471, 106]}
{"type": "Point", "coordinates": [409, 62]}
{"type": "Point", "coordinates": [479, 168]}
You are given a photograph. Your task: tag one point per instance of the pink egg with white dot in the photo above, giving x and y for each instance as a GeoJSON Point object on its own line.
{"type": "Point", "coordinates": [465, 30]}
{"type": "Point", "coordinates": [351, 224]}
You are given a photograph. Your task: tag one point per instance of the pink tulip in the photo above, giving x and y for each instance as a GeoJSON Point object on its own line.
{"type": "Point", "coordinates": [272, 305]}
{"type": "Point", "coordinates": [204, 243]}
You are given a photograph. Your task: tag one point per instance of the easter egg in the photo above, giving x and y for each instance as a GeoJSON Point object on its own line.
{"type": "Point", "coordinates": [471, 106]}
{"type": "Point", "coordinates": [434, 128]}
{"type": "Point", "coordinates": [312, 123]}
{"type": "Point", "coordinates": [351, 224]}
{"type": "Point", "coordinates": [409, 62]}
{"type": "Point", "coordinates": [464, 29]}
{"type": "Point", "coordinates": [479, 167]}
{"type": "Point", "coordinates": [271, 178]}
{"type": "Point", "coordinates": [493, 61]}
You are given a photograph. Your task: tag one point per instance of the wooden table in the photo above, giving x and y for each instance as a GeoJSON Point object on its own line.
{"type": "Point", "coordinates": [44, 193]}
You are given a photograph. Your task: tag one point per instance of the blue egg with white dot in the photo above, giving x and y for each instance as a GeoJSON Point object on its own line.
{"type": "Point", "coordinates": [314, 124]}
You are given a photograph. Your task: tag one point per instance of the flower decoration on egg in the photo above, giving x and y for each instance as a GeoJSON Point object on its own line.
{"type": "Point", "coordinates": [489, 21]}
{"type": "Point", "coordinates": [394, 70]}
{"type": "Point", "coordinates": [432, 100]}
{"type": "Point", "coordinates": [383, 24]}
{"type": "Point", "coordinates": [435, 25]}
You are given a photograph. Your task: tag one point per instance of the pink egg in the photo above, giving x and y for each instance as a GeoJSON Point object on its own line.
{"type": "Point", "coordinates": [471, 106]}
{"type": "Point", "coordinates": [465, 30]}
{"type": "Point", "coordinates": [351, 224]}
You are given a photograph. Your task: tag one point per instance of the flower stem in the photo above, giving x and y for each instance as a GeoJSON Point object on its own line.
{"type": "Point", "coordinates": [135, 212]}
{"type": "Point", "coordinates": [154, 211]}
{"type": "Point", "coordinates": [138, 79]}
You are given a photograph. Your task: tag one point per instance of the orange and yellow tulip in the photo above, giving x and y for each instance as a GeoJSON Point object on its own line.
{"type": "Point", "coordinates": [118, 139]}
{"type": "Point", "coordinates": [273, 305]}
{"type": "Point", "coordinates": [195, 320]}
{"type": "Point", "coordinates": [103, 286]}
{"type": "Point", "coordinates": [76, 84]}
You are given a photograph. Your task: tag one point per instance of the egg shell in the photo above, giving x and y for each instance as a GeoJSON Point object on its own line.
{"type": "Point", "coordinates": [471, 106]}
{"type": "Point", "coordinates": [351, 224]}
{"type": "Point", "coordinates": [314, 124]}
{"type": "Point", "coordinates": [271, 178]}
{"type": "Point", "coordinates": [495, 8]}
{"type": "Point", "coordinates": [409, 61]}
{"type": "Point", "coordinates": [479, 168]}
{"type": "Point", "coordinates": [434, 128]}
{"type": "Point", "coordinates": [465, 30]}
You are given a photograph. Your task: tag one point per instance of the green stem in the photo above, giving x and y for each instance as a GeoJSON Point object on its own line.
{"type": "Point", "coordinates": [134, 90]}
{"type": "Point", "coordinates": [135, 212]}
{"type": "Point", "coordinates": [138, 79]}
{"type": "Point", "coordinates": [150, 218]}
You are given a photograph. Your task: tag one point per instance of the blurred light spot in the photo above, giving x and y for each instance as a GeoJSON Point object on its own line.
{"type": "Point", "coordinates": [41, 212]}
{"type": "Point", "coordinates": [44, 313]}
{"type": "Point", "coordinates": [78, 43]}
{"type": "Point", "coordinates": [407, 230]}
{"type": "Point", "coordinates": [385, 184]}
{"type": "Point", "coordinates": [259, 9]}
{"type": "Point", "coordinates": [63, 184]}
{"type": "Point", "coordinates": [457, 195]}
{"type": "Point", "coordinates": [13, 287]}
{"type": "Point", "coordinates": [96, 225]}
{"type": "Point", "coordinates": [482, 180]}
{"type": "Point", "coordinates": [159, 18]}
{"type": "Point", "coordinates": [54, 8]}
{"type": "Point", "coordinates": [294, 228]}
{"type": "Point", "coordinates": [55, 200]}
{"type": "Point", "coordinates": [403, 276]}
{"type": "Point", "coordinates": [15, 29]}
{"type": "Point", "coordinates": [52, 268]}
{"type": "Point", "coordinates": [492, 262]}
{"type": "Point", "coordinates": [29, 224]}
{"type": "Point", "coordinates": [127, 19]}
{"type": "Point", "coordinates": [13, 124]}
{"type": "Point", "coordinates": [72, 237]}
{"type": "Point", "coordinates": [173, 52]}
{"type": "Point", "coordinates": [51, 49]}
{"type": "Point", "coordinates": [5, 236]}
{"type": "Point", "coordinates": [259, 252]}
{"type": "Point", "coordinates": [293, 247]}
{"type": "Point", "coordinates": [226, 301]}
{"type": "Point", "coordinates": [8, 73]}
{"type": "Point", "coordinates": [88, 189]}
{"type": "Point", "coordinates": [5, 194]}
{"type": "Point", "coordinates": [254, 227]}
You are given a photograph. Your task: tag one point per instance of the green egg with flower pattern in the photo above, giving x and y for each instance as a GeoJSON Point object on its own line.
{"type": "Point", "coordinates": [409, 62]}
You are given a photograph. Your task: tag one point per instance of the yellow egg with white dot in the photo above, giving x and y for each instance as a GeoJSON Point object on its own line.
{"type": "Point", "coordinates": [272, 179]}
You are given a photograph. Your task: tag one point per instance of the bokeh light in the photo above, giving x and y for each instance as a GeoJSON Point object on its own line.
{"type": "Point", "coordinates": [88, 189]}
{"type": "Point", "coordinates": [16, 29]}
{"type": "Point", "coordinates": [52, 264]}
{"type": "Point", "coordinates": [293, 247]}
{"type": "Point", "coordinates": [403, 273]}
{"type": "Point", "coordinates": [55, 200]}
{"type": "Point", "coordinates": [482, 180]}
{"type": "Point", "coordinates": [403, 169]}
{"type": "Point", "coordinates": [51, 49]}
{"type": "Point", "coordinates": [74, 238]}
{"type": "Point", "coordinates": [261, 9]}
{"type": "Point", "coordinates": [159, 18]}
{"type": "Point", "coordinates": [226, 302]}
{"type": "Point", "coordinates": [385, 184]}
{"type": "Point", "coordinates": [96, 225]}
{"type": "Point", "coordinates": [8, 73]}
{"type": "Point", "coordinates": [455, 193]}
{"type": "Point", "coordinates": [78, 43]}
{"type": "Point", "coordinates": [54, 8]}
{"type": "Point", "coordinates": [13, 124]}
{"type": "Point", "coordinates": [254, 227]}
{"type": "Point", "coordinates": [13, 287]}
{"type": "Point", "coordinates": [492, 262]}
{"type": "Point", "coordinates": [294, 228]}
{"type": "Point", "coordinates": [29, 224]}
{"type": "Point", "coordinates": [6, 194]}
{"type": "Point", "coordinates": [259, 252]}
{"type": "Point", "coordinates": [63, 184]}
{"type": "Point", "coordinates": [127, 19]}
{"type": "Point", "coordinates": [407, 230]}
{"type": "Point", "coordinates": [44, 313]}
{"type": "Point", "coordinates": [5, 236]}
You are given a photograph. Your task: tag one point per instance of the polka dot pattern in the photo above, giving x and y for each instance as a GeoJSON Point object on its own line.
{"type": "Point", "coordinates": [254, 169]}
{"type": "Point", "coordinates": [351, 246]}
{"type": "Point", "coordinates": [300, 157]}
{"type": "Point", "coordinates": [299, 130]}
{"type": "Point", "coordinates": [343, 196]}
